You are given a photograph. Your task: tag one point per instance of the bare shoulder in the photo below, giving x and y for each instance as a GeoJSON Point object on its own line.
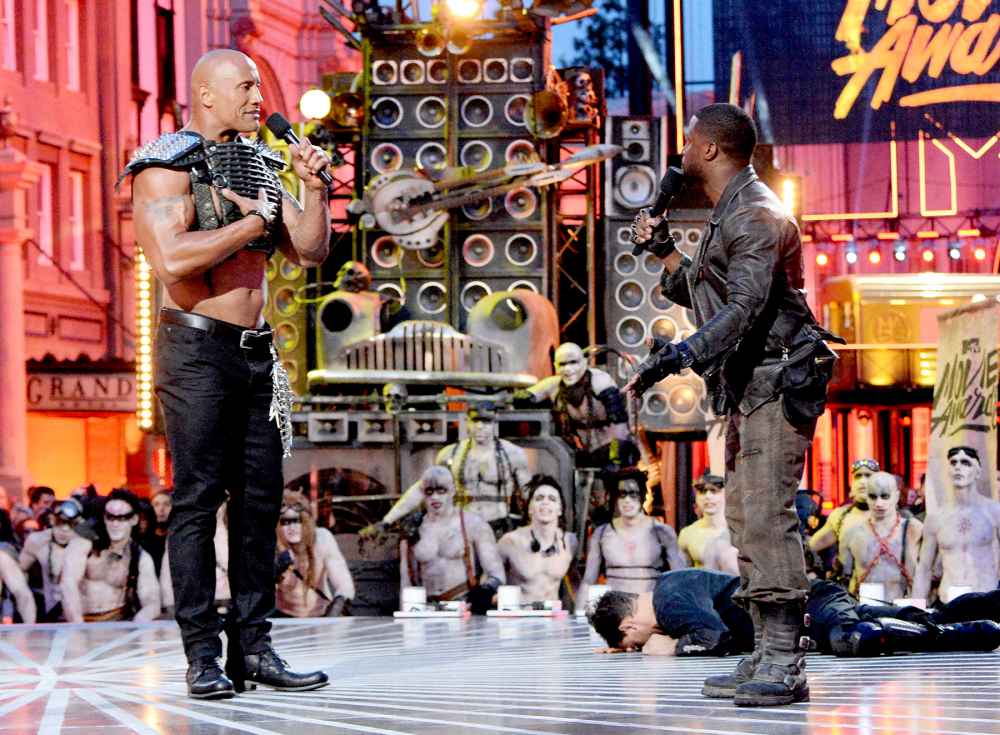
{"type": "Point", "coordinates": [513, 539]}
{"type": "Point", "coordinates": [325, 537]}
{"type": "Point", "coordinates": [660, 527]}
{"type": "Point", "coordinates": [915, 528]}
{"type": "Point", "coordinates": [157, 182]}
{"type": "Point", "coordinates": [37, 540]}
{"type": "Point", "coordinates": [78, 547]}
{"type": "Point", "coordinates": [475, 522]}
{"type": "Point", "coordinates": [513, 451]}
{"type": "Point", "coordinates": [600, 380]}
{"type": "Point", "coordinates": [572, 542]}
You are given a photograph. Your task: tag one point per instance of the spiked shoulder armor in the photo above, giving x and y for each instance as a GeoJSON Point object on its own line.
{"type": "Point", "coordinates": [180, 150]}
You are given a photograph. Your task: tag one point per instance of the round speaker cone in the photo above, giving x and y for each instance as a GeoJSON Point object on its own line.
{"type": "Point", "coordinates": [478, 211]}
{"type": "Point", "coordinates": [476, 155]}
{"type": "Point", "coordinates": [683, 399]}
{"type": "Point", "coordinates": [413, 71]}
{"type": "Point", "coordinates": [521, 70]}
{"type": "Point", "coordinates": [286, 337]}
{"type": "Point", "coordinates": [663, 327]}
{"type": "Point", "coordinates": [336, 315]}
{"type": "Point", "coordinates": [630, 295]}
{"type": "Point", "coordinates": [386, 157]}
{"type": "Point", "coordinates": [271, 269]}
{"type": "Point", "coordinates": [520, 151]}
{"type": "Point", "coordinates": [525, 285]}
{"type": "Point", "coordinates": [391, 291]}
{"type": "Point", "coordinates": [520, 203]}
{"type": "Point", "coordinates": [477, 111]}
{"type": "Point", "coordinates": [624, 236]}
{"type": "Point", "coordinates": [656, 403]}
{"type": "Point", "coordinates": [634, 186]}
{"type": "Point", "coordinates": [657, 299]}
{"type": "Point", "coordinates": [432, 157]}
{"type": "Point", "coordinates": [290, 271]}
{"type": "Point", "coordinates": [432, 298]}
{"type": "Point", "coordinates": [472, 293]}
{"type": "Point", "coordinates": [635, 150]}
{"type": "Point", "coordinates": [515, 108]}
{"type": "Point", "coordinates": [469, 71]}
{"type": "Point", "coordinates": [384, 72]}
{"type": "Point", "coordinates": [386, 252]}
{"type": "Point", "coordinates": [432, 257]}
{"type": "Point", "coordinates": [631, 332]}
{"type": "Point", "coordinates": [431, 112]}
{"type": "Point", "coordinates": [437, 71]}
{"type": "Point", "coordinates": [625, 264]}
{"type": "Point", "coordinates": [387, 112]}
{"type": "Point", "coordinates": [495, 70]}
{"type": "Point", "coordinates": [284, 301]}
{"type": "Point", "coordinates": [692, 235]}
{"type": "Point", "coordinates": [477, 250]}
{"type": "Point", "coordinates": [521, 249]}
{"type": "Point", "coordinates": [652, 265]}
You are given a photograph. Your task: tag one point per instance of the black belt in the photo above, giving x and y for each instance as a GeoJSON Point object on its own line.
{"type": "Point", "coordinates": [248, 339]}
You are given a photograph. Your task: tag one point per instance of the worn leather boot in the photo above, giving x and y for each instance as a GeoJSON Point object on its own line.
{"type": "Point", "coordinates": [780, 676]}
{"type": "Point", "coordinates": [975, 635]}
{"type": "Point", "coordinates": [205, 680]}
{"type": "Point", "coordinates": [267, 669]}
{"type": "Point", "coordinates": [724, 686]}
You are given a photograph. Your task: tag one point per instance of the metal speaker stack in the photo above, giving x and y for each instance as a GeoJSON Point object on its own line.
{"type": "Point", "coordinates": [288, 318]}
{"type": "Point", "coordinates": [462, 107]}
{"type": "Point", "coordinates": [634, 307]}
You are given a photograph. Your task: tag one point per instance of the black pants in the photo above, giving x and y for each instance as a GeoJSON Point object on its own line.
{"type": "Point", "coordinates": [215, 397]}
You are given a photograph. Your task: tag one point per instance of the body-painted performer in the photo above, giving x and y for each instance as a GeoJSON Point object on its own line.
{"type": "Point", "coordinates": [633, 549]}
{"type": "Point", "coordinates": [589, 408]}
{"type": "Point", "coordinates": [538, 554]}
{"type": "Point", "coordinates": [694, 539]}
{"type": "Point", "coordinates": [209, 212]}
{"type": "Point", "coordinates": [884, 548]}
{"type": "Point", "coordinates": [313, 578]}
{"type": "Point", "coordinates": [48, 549]}
{"type": "Point", "coordinates": [963, 535]}
{"type": "Point", "coordinates": [763, 357]}
{"type": "Point", "coordinates": [849, 515]}
{"type": "Point", "coordinates": [449, 545]}
{"type": "Point", "coordinates": [490, 474]}
{"type": "Point", "coordinates": [692, 613]}
{"type": "Point", "coordinates": [113, 578]}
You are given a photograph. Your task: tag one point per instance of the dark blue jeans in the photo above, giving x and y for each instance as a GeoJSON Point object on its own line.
{"type": "Point", "coordinates": [215, 398]}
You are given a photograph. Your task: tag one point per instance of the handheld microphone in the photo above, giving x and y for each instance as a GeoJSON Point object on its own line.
{"type": "Point", "coordinates": [278, 125]}
{"type": "Point", "coordinates": [670, 186]}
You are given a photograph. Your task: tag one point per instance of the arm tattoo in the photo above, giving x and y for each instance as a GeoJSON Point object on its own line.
{"type": "Point", "coordinates": [292, 201]}
{"type": "Point", "coordinates": [167, 208]}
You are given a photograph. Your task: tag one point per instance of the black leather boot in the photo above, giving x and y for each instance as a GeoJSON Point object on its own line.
{"type": "Point", "coordinates": [267, 669]}
{"type": "Point", "coordinates": [724, 686]}
{"type": "Point", "coordinates": [891, 635]}
{"type": "Point", "coordinates": [205, 680]}
{"type": "Point", "coordinates": [975, 635]}
{"type": "Point", "coordinates": [780, 676]}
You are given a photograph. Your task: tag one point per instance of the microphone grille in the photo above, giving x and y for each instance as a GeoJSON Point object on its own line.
{"type": "Point", "coordinates": [277, 124]}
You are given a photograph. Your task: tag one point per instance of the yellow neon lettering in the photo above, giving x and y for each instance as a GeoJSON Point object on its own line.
{"type": "Point", "coordinates": [937, 11]}
{"type": "Point", "coordinates": [972, 10]}
{"type": "Point", "coordinates": [965, 58]}
{"type": "Point", "coordinates": [887, 55]}
{"type": "Point", "coordinates": [935, 50]}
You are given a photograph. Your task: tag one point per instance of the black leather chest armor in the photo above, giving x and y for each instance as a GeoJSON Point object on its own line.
{"type": "Point", "coordinates": [242, 165]}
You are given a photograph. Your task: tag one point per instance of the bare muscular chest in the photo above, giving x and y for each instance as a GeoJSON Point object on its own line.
{"type": "Point", "coordinates": [631, 548]}
{"type": "Point", "coordinates": [108, 568]}
{"type": "Point", "coordinates": [442, 541]}
{"type": "Point", "coordinates": [965, 528]}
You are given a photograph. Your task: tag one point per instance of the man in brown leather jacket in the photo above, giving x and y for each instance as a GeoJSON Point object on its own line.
{"type": "Point", "coordinates": [762, 355]}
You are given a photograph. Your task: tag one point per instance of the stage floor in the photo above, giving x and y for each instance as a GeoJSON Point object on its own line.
{"type": "Point", "coordinates": [476, 676]}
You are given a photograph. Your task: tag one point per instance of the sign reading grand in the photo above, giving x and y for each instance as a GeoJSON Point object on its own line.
{"type": "Point", "coordinates": [81, 392]}
{"type": "Point", "coordinates": [852, 70]}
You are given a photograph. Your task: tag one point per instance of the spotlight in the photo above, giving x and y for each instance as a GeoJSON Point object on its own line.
{"type": "Point", "coordinates": [928, 256]}
{"type": "Point", "coordinates": [314, 104]}
{"type": "Point", "coordinates": [874, 257]}
{"type": "Point", "coordinates": [979, 253]}
{"type": "Point", "coordinates": [464, 9]}
{"type": "Point", "coordinates": [851, 256]}
{"type": "Point", "coordinates": [899, 252]}
{"type": "Point", "coordinates": [955, 251]}
{"type": "Point", "coordinates": [822, 260]}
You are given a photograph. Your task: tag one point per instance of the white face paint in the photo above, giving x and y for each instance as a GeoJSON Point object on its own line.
{"type": "Point", "coordinates": [570, 364]}
{"type": "Point", "coordinates": [62, 533]}
{"type": "Point", "coordinates": [481, 432]}
{"type": "Point", "coordinates": [545, 505]}
{"type": "Point", "coordinates": [119, 518]}
{"type": "Point", "coordinates": [882, 494]}
{"type": "Point", "coordinates": [630, 497]}
{"type": "Point", "coordinates": [965, 471]}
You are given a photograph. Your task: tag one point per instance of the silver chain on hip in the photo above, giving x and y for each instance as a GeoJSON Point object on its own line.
{"type": "Point", "coordinates": [281, 403]}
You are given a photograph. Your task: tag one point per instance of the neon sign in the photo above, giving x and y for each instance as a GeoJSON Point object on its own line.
{"type": "Point", "coordinates": [922, 39]}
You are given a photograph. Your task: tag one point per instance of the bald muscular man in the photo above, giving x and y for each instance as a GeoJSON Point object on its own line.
{"type": "Point", "coordinates": [225, 397]}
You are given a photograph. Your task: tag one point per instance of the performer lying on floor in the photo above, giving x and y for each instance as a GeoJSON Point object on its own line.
{"type": "Point", "coordinates": [691, 612]}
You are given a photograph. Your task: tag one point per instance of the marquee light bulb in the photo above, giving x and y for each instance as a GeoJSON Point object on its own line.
{"type": "Point", "coordinates": [851, 256]}
{"type": "Point", "coordinates": [927, 255]}
{"type": "Point", "coordinates": [314, 104]}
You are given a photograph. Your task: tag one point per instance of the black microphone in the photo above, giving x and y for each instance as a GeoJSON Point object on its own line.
{"type": "Point", "coordinates": [670, 186]}
{"type": "Point", "coordinates": [281, 128]}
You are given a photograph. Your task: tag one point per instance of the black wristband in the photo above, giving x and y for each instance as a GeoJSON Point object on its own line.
{"type": "Point", "coordinates": [267, 224]}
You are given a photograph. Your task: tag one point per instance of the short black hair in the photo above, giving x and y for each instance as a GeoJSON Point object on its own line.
{"type": "Point", "coordinates": [35, 494]}
{"type": "Point", "coordinates": [608, 613]}
{"type": "Point", "coordinates": [123, 493]}
{"type": "Point", "coordinates": [955, 450]}
{"type": "Point", "coordinates": [730, 128]}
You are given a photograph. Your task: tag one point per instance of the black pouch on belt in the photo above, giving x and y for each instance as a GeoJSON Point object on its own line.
{"type": "Point", "coordinates": [804, 380]}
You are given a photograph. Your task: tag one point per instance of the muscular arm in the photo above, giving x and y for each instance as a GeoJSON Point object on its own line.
{"type": "Point", "coordinates": [519, 462]}
{"type": "Point", "coordinates": [611, 398]}
{"type": "Point", "coordinates": [404, 567]}
{"type": "Point", "coordinates": [407, 503]}
{"type": "Point", "coordinates": [164, 211]}
{"type": "Point", "coordinates": [683, 545]}
{"type": "Point", "coordinates": [335, 564]}
{"type": "Point", "coordinates": [306, 231]}
{"type": "Point", "coordinates": [592, 571]}
{"type": "Point", "coordinates": [29, 554]}
{"type": "Point", "coordinates": [545, 389]}
{"type": "Point", "coordinates": [925, 564]}
{"type": "Point", "coordinates": [667, 538]}
{"type": "Point", "coordinates": [660, 645]}
{"type": "Point", "coordinates": [74, 567]}
{"type": "Point", "coordinates": [486, 550]}
{"type": "Point", "coordinates": [914, 533]}
{"type": "Point", "coordinates": [826, 537]}
{"type": "Point", "coordinates": [148, 590]}
{"type": "Point", "coordinates": [13, 578]}
{"type": "Point", "coordinates": [846, 555]}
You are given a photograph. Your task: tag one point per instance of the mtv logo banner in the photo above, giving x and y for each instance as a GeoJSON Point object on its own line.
{"type": "Point", "coordinates": [965, 397]}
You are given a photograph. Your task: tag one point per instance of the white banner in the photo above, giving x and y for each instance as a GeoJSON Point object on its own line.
{"type": "Point", "coordinates": [965, 397]}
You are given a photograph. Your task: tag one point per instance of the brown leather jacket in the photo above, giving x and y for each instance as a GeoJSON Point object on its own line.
{"type": "Point", "coordinates": [745, 285]}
